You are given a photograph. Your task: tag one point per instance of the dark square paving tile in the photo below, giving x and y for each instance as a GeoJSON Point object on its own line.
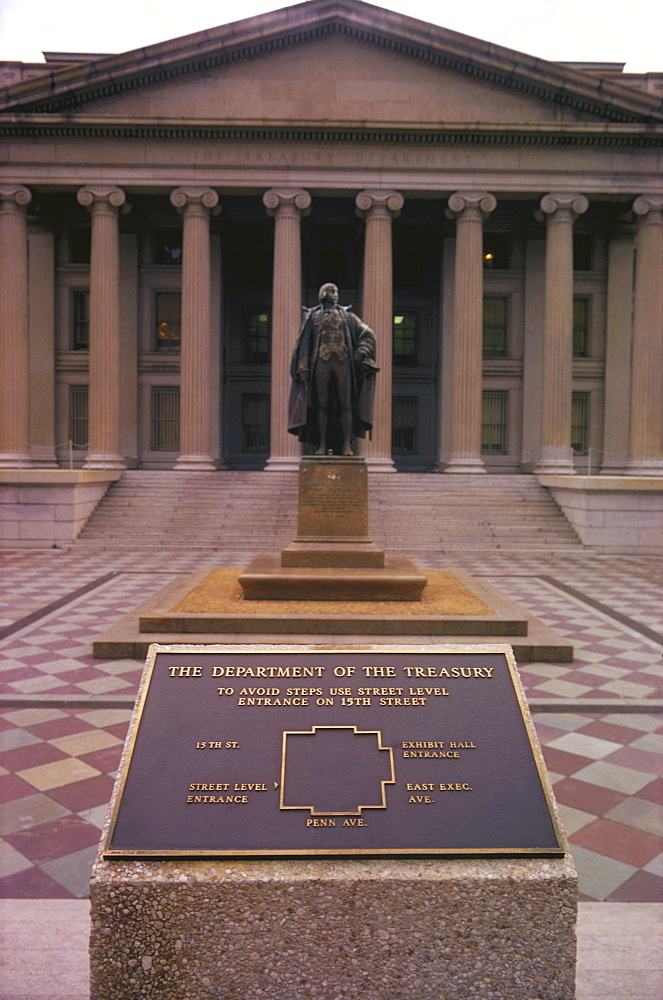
{"type": "Point", "coordinates": [642, 887]}
{"type": "Point", "coordinates": [615, 840]}
{"type": "Point", "coordinates": [590, 798]}
{"type": "Point", "coordinates": [639, 760]}
{"type": "Point", "coordinates": [563, 762]}
{"type": "Point", "coordinates": [31, 756]}
{"type": "Point", "coordinates": [652, 792]}
{"type": "Point", "coordinates": [14, 674]}
{"type": "Point", "coordinates": [119, 729]}
{"type": "Point", "coordinates": [107, 759]}
{"type": "Point", "coordinates": [12, 787]}
{"type": "Point", "coordinates": [51, 840]}
{"type": "Point", "coordinates": [33, 883]}
{"type": "Point", "coordinates": [58, 727]}
{"type": "Point", "coordinates": [84, 794]}
{"type": "Point", "coordinates": [610, 731]}
{"type": "Point", "coordinates": [80, 674]}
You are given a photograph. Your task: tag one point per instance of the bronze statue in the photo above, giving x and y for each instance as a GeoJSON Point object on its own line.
{"type": "Point", "coordinates": [333, 377]}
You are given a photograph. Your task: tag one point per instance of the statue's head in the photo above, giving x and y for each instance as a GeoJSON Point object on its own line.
{"type": "Point", "coordinates": [329, 293]}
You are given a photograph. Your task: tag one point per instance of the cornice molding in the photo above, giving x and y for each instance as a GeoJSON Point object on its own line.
{"type": "Point", "coordinates": [628, 136]}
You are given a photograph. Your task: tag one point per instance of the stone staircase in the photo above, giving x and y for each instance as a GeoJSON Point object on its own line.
{"type": "Point", "coordinates": [244, 513]}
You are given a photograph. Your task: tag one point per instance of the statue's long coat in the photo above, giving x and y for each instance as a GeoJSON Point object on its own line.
{"type": "Point", "coordinates": [302, 415]}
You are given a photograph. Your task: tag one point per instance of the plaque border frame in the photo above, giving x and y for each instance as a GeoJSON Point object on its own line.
{"type": "Point", "coordinates": [108, 853]}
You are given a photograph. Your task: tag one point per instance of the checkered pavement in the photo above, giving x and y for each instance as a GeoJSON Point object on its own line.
{"type": "Point", "coordinates": [57, 763]}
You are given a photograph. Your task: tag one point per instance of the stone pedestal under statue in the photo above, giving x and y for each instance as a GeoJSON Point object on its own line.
{"type": "Point", "coordinates": [332, 556]}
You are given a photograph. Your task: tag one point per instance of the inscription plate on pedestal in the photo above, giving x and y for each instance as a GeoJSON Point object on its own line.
{"type": "Point", "coordinates": [257, 751]}
{"type": "Point", "coordinates": [333, 497]}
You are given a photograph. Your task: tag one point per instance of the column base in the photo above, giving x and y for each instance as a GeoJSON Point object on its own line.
{"type": "Point", "coordinates": [644, 467]}
{"type": "Point", "coordinates": [377, 463]}
{"type": "Point", "coordinates": [104, 462]}
{"type": "Point", "coordinates": [283, 463]}
{"type": "Point", "coordinates": [471, 466]}
{"type": "Point", "coordinates": [15, 460]}
{"type": "Point", "coordinates": [195, 463]}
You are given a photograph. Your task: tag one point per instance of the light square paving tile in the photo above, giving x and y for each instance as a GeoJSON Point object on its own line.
{"type": "Point", "coordinates": [564, 689]}
{"type": "Point", "coordinates": [95, 816]}
{"type": "Point", "coordinates": [651, 742]}
{"type": "Point", "coordinates": [567, 721]}
{"type": "Point", "coordinates": [606, 775]}
{"type": "Point", "coordinates": [544, 669]}
{"type": "Point", "coordinates": [639, 813]}
{"type": "Point", "coordinates": [13, 739]}
{"type": "Point", "coordinates": [11, 860]}
{"type": "Point", "coordinates": [655, 866]}
{"type": "Point", "coordinates": [599, 876]}
{"type": "Point", "coordinates": [73, 871]}
{"type": "Point", "coordinates": [33, 716]}
{"type": "Point", "coordinates": [585, 746]}
{"type": "Point", "coordinates": [29, 811]}
{"type": "Point", "coordinates": [103, 717]}
{"type": "Point", "coordinates": [37, 685]}
{"type": "Point", "coordinates": [78, 744]}
{"type": "Point", "coordinates": [103, 685]}
{"type": "Point", "coordinates": [604, 670]}
{"type": "Point", "coordinates": [627, 689]}
{"type": "Point", "coordinates": [57, 773]}
{"type": "Point", "coordinates": [574, 819]}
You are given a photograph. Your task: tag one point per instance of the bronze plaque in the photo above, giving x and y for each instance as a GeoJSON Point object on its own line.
{"type": "Point", "coordinates": [333, 498]}
{"type": "Point", "coordinates": [257, 751]}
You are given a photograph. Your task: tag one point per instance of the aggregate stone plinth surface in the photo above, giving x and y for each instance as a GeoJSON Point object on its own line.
{"type": "Point", "coordinates": [403, 929]}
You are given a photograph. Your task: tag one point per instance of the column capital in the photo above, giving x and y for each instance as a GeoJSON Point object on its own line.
{"type": "Point", "coordinates": [568, 205]}
{"type": "Point", "coordinates": [649, 207]}
{"type": "Point", "coordinates": [387, 204]}
{"type": "Point", "coordinates": [14, 195]}
{"type": "Point", "coordinates": [287, 201]}
{"type": "Point", "coordinates": [184, 198]}
{"type": "Point", "coordinates": [94, 196]}
{"type": "Point", "coordinates": [475, 203]}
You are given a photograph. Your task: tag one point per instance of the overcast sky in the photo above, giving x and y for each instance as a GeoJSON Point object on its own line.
{"type": "Point", "coordinates": [566, 30]}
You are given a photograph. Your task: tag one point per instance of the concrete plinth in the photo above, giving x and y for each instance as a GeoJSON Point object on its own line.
{"type": "Point", "coordinates": [266, 579]}
{"type": "Point", "coordinates": [310, 929]}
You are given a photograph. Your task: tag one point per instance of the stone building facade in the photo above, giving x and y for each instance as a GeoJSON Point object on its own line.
{"type": "Point", "coordinates": [496, 219]}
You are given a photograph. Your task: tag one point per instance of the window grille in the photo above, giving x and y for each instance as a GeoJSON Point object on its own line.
{"type": "Point", "coordinates": [580, 326]}
{"type": "Point", "coordinates": [78, 415]}
{"type": "Point", "coordinates": [494, 326]}
{"type": "Point", "coordinates": [80, 320]}
{"type": "Point", "coordinates": [404, 425]}
{"type": "Point", "coordinates": [494, 422]}
{"type": "Point", "coordinates": [168, 321]}
{"type": "Point", "coordinates": [257, 342]}
{"type": "Point", "coordinates": [165, 418]}
{"type": "Point", "coordinates": [405, 338]}
{"type": "Point", "coordinates": [255, 422]}
{"type": "Point", "coordinates": [580, 422]}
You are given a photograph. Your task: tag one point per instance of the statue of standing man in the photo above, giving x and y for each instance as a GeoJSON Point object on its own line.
{"type": "Point", "coordinates": [333, 377]}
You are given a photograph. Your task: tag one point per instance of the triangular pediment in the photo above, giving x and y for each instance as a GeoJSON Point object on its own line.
{"type": "Point", "coordinates": [331, 61]}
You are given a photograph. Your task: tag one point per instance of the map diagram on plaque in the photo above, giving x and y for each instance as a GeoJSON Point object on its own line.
{"type": "Point", "coordinates": [335, 771]}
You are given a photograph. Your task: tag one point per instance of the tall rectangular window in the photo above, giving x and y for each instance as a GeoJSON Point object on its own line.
{"type": "Point", "coordinates": [257, 339]}
{"type": "Point", "coordinates": [494, 422]}
{"type": "Point", "coordinates": [168, 321]}
{"type": "Point", "coordinates": [404, 425]}
{"type": "Point", "coordinates": [167, 246]}
{"type": "Point", "coordinates": [580, 422]}
{"type": "Point", "coordinates": [405, 338]}
{"type": "Point", "coordinates": [255, 422]}
{"type": "Point", "coordinates": [580, 326]}
{"type": "Point", "coordinates": [80, 319]}
{"type": "Point", "coordinates": [165, 418]}
{"type": "Point", "coordinates": [79, 244]}
{"type": "Point", "coordinates": [494, 326]}
{"type": "Point", "coordinates": [78, 415]}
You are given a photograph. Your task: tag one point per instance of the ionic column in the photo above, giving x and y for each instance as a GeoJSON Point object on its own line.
{"type": "Point", "coordinates": [15, 380]}
{"type": "Point", "coordinates": [378, 208]}
{"type": "Point", "coordinates": [555, 456]}
{"type": "Point", "coordinates": [287, 207]}
{"type": "Point", "coordinates": [645, 456]}
{"type": "Point", "coordinates": [104, 449]}
{"type": "Point", "coordinates": [194, 205]}
{"type": "Point", "coordinates": [470, 210]}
